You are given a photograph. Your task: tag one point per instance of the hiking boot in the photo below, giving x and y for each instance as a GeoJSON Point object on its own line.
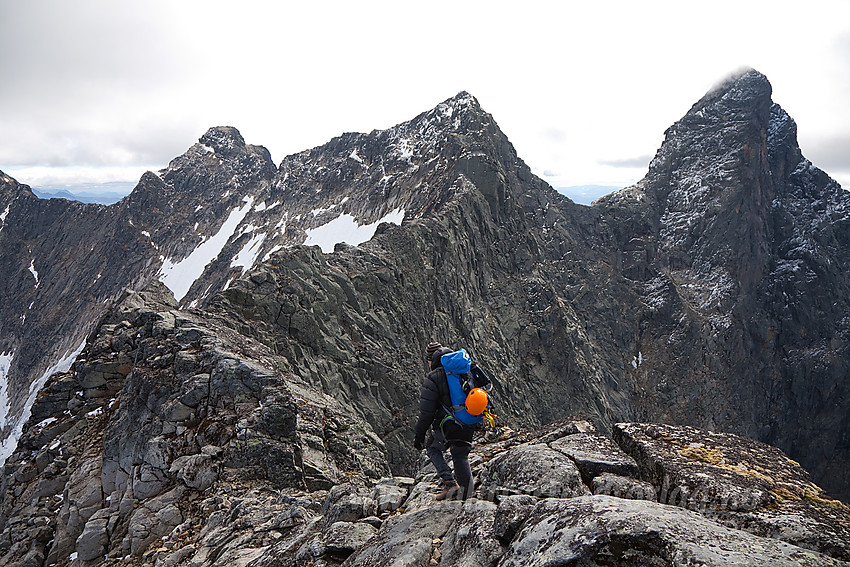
{"type": "Point", "coordinates": [450, 490]}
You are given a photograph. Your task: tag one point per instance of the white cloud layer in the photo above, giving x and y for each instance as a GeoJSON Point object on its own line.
{"type": "Point", "coordinates": [576, 87]}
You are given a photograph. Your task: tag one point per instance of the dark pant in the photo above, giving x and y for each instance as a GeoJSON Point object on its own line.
{"type": "Point", "coordinates": [459, 449]}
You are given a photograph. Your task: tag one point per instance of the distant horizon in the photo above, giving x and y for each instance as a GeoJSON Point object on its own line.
{"type": "Point", "coordinates": [101, 193]}
{"type": "Point", "coordinates": [110, 192]}
{"type": "Point", "coordinates": [113, 191]}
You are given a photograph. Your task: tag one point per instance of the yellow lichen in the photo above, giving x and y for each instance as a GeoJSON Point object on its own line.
{"type": "Point", "coordinates": [812, 494]}
{"type": "Point", "coordinates": [716, 458]}
{"type": "Point", "coordinates": [751, 472]}
{"type": "Point", "coordinates": [782, 493]}
{"type": "Point", "coordinates": [702, 453]}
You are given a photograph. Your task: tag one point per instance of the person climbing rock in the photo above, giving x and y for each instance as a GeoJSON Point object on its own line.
{"type": "Point", "coordinates": [446, 432]}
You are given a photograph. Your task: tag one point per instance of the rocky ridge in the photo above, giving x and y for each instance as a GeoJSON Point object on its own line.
{"type": "Point", "coordinates": [199, 224]}
{"type": "Point", "coordinates": [712, 293]}
{"type": "Point", "coordinates": [176, 441]}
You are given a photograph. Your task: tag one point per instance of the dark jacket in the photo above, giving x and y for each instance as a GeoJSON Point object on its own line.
{"type": "Point", "coordinates": [434, 398]}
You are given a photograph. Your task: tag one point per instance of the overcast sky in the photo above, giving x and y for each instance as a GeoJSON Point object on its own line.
{"type": "Point", "coordinates": [102, 90]}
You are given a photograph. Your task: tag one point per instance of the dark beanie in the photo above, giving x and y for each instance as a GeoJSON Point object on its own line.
{"type": "Point", "coordinates": [432, 348]}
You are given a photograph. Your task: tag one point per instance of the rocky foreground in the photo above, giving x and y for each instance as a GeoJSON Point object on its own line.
{"type": "Point", "coordinates": [175, 441]}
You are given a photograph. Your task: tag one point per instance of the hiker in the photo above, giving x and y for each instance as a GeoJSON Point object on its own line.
{"type": "Point", "coordinates": [447, 432]}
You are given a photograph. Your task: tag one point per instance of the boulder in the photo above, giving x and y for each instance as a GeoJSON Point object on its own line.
{"type": "Point", "coordinates": [511, 514]}
{"type": "Point", "coordinates": [408, 540]}
{"type": "Point", "coordinates": [534, 469]}
{"type": "Point", "coordinates": [470, 541]}
{"type": "Point", "coordinates": [92, 543]}
{"type": "Point", "coordinates": [603, 530]}
{"type": "Point", "coordinates": [196, 471]}
{"type": "Point", "coordinates": [595, 454]}
{"type": "Point", "coordinates": [738, 481]}
{"type": "Point", "coordinates": [344, 538]}
{"type": "Point", "coordinates": [389, 495]}
{"type": "Point", "coordinates": [347, 503]}
{"type": "Point", "coordinates": [699, 469]}
{"type": "Point", "coordinates": [623, 487]}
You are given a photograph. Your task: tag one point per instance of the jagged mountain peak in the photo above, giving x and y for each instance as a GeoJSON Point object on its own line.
{"type": "Point", "coordinates": [464, 97]}
{"type": "Point", "coordinates": [412, 165]}
{"type": "Point", "coordinates": [719, 145]}
{"type": "Point", "coordinates": [220, 151]}
{"type": "Point", "coordinates": [227, 142]}
{"type": "Point", "coordinates": [223, 138]}
{"type": "Point", "coordinates": [743, 88]}
{"type": "Point", "coordinates": [735, 148]}
{"type": "Point", "coordinates": [737, 109]}
{"type": "Point", "coordinates": [10, 188]}
{"type": "Point", "coordinates": [462, 102]}
{"type": "Point", "coordinates": [339, 191]}
{"type": "Point", "coordinates": [5, 179]}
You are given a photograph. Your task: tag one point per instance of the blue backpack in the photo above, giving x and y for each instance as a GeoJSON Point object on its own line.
{"type": "Point", "coordinates": [457, 366]}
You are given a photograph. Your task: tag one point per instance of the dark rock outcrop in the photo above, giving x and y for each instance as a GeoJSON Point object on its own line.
{"type": "Point", "coordinates": [737, 246]}
{"type": "Point", "coordinates": [739, 482]}
{"type": "Point", "coordinates": [602, 530]}
{"type": "Point", "coordinates": [119, 457]}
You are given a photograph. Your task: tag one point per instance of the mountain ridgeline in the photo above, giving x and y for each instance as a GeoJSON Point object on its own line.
{"type": "Point", "coordinates": [713, 293]}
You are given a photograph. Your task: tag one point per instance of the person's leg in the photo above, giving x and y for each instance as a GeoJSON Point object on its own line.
{"type": "Point", "coordinates": [436, 452]}
{"type": "Point", "coordinates": [463, 472]}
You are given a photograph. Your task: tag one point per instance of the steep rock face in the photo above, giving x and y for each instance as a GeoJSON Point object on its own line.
{"type": "Point", "coordinates": [735, 243]}
{"type": "Point", "coordinates": [357, 321]}
{"type": "Point", "coordinates": [206, 220]}
{"type": "Point", "coordinates": [62, 264]}
{"type": "Point", "coordinates": [738, 482]}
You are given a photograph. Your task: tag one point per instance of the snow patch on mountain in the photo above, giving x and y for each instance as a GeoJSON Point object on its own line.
{"type": "Point", "coordinates": [273, 249]}
{"type": "Point", "coordinates": [262, 207]}
{"type": "Point", "coordinates": [7, 447]}
{"type": "Point", "coordinates": [345, 228]}
{"type": "Point", "coordinates": [3, 216]}
{"type": "Point", "coordinates": [33, 271]}
{"type": "Point", "coordinates": [5, 404]}
{"type": "Point", "coordinates": [247, 257]}
{"type": "Point", "coordinates": [179, 276]}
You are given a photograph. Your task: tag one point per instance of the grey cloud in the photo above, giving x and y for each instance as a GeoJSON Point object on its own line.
{"type": "Point", "coordinates": [639, 161]}
{"type": "Point", "coordinates": [81, 46]}
{"type": "Point", "coordinates": [829, 152]}
{"type": "Point", "coordinates": [78, 77]}
{"type": "Point", "coordinates": [59, 145]}
{"type": "Point", "coordinates": [555, 135]}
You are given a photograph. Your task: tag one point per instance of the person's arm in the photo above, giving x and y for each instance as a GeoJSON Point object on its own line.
{"type": "Point", "coordinates": [429, 401]}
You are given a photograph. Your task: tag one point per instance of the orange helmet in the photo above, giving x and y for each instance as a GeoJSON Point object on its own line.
{"type": "Point", "coordinates": [476, 401]}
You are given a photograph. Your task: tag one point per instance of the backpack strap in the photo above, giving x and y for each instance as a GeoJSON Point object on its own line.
{"type": "Point", "coordinates": [450, 410]}
{"type": "Point", "coordinates": [458, 396]}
